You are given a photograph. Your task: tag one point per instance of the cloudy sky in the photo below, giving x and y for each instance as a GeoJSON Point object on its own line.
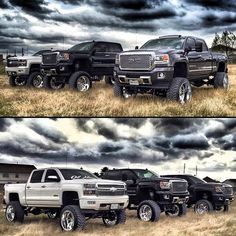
{"type": "Point", "coordinates": [43, 24]}
{"type": "Point", "coordinates": [162, 145]}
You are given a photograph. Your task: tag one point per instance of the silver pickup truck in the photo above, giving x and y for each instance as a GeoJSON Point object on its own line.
{"type": "Point", "coordinates": [25, 70]}
{"type": "Point", "coordinates": [74, 195]}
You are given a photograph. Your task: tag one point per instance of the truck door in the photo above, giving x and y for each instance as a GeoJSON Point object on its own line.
{"type": "Point", "coordinates": [194, 59]}
{"type": "Point", "coordinates": [33, 188]}
{"type": "Point", "coordinates": [131, 181]}
{"type": "Point", "coordinates": [51, 188]}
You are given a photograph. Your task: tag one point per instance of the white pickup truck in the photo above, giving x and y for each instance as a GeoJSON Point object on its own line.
{"type": "Point", "coordinates": [25, 70]}
{"type": "Point", "coordinates": [74, 195]}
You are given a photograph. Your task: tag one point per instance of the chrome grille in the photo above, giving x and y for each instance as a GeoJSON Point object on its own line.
{"type": "Point", "coordinates": [136, 62]}
{"type": "Point", "coordinates": [228, 190]}
{"type": "Point", "coordinates": [110, 190]}
{"type": "Point", "coordinates": [179, 186]}
{"type": "Point", "coordinates": [50, 59]}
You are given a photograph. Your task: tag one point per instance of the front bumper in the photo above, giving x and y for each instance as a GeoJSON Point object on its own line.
{"type": "Point", "coordinates": [104, 203]}
{"type": "Point", "coordinates": [167, 197]}
{"type": "Point", "coordinates": [158, 78]}
{"type": "Point", "coordinates": [59, 70]}
{"type": "Point", "coordinates": [18, 71]}
{"type": "Point", "coordinates": [221, 199]}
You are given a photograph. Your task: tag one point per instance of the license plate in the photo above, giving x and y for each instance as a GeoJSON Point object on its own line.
{"type": "Point", "coordinates": [114, 206]}
{"type": "Point", "coordinates": [133, 82]}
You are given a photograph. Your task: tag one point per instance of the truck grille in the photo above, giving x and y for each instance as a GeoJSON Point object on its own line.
{"type": "Point", "coordinates": [136, 62]}
{"type": "Point", "coordinates": [179, 186]}
{"type": "Point", "coordinates": [50, 59]}
{"type": "Point", "coordinates": [12, 63]}
{"type": "Point", "coordinates": [228, 190]}
{"type": "Point", "coordinates": [110, 190]}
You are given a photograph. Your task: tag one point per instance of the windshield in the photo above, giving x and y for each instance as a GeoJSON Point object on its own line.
{"type": "Point", "coordinates": [197, 180]}
{"type": "Point", "coordinates": [82, 47]}
{"type": "Point", "coordinates": [172, 43]}
{"type": "Point", "coordinates": [145, 174]}
{"type": "Point", "coordinates": [70, 174]}
{"type": "Point", "coordinates": [39, 53]}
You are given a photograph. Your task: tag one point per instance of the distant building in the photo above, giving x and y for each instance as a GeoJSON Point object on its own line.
{"type": "Point", "coordinates": [210, 180]}
{"type": "Point", "coordinates": [231, 182]}
{"type": "Point", "coordinates": [14, 173]}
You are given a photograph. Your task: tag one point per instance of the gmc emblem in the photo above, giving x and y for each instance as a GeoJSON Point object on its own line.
{"type": "Point", "coordinates": [134, 59]}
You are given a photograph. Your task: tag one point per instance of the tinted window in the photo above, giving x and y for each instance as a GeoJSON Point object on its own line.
{"type": "Point", "coordinates": [51, 173]}
{"type": "Point", "coordinates": [113, 47]}
{"type": "Point", "coordinates": [113, 175]}
{"type": "Point", "coordinates": [41, 52]}
{"type": "Point", "coordinates": [101, 47]}
{"type": "Point", "coordinates": [204, 46]}
{"type": "Point", "coordinates": [37, 176]}
{"type": "Point", "coordinates": [145, 174]}
{"type": "Point", "coordinates": [191, 43]}
{"type": "Point", "coordinates": [129, 174]}
{"type": "Point", "coordinates": [70, 174]}
{"type": "Point", "coordinates": [82, 47]}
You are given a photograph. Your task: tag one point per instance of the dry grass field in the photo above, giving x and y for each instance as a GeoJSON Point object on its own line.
{"type": "Point", "coordinates": [217, 224]}
{"type": "Point", "coordinates": [100, 101]}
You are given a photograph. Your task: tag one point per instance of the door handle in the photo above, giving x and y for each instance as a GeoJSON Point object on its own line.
{"type": "Point", "coordinates": [43, 186]}
{"type": "Point", "coordinates": [107, 55]}
{"type": "Point", "coordinates": [28, 187]}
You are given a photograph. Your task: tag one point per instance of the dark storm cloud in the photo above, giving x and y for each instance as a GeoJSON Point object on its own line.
{"type": "Point", "coordinates": [4, 123]}
{"type": "Point", "coordinates": [3, 4]}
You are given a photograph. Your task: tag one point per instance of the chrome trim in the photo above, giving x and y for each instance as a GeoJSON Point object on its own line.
{"type": "Point", "coordinates": [140, 80]}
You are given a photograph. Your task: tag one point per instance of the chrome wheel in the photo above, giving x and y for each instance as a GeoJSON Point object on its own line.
{"type": "Point", "coordinates": [185, 93]}
{"type": "Point", "coordinates": [19, 81]}
{"type": "Point", "coordinates": [110, 219]}
{"type": "Point", "coordinates": [145, 213]}
{"type": "Point", "coordinates": [55, 85]}
{"type": "Point", "coordinates": [83, 83]}
{"type": "Point", "coordinates": [10, 213]}
{"type": "Point", "coordinates": [67, 220]}
{"type": "Point", "coordinates": [174, 212]}
{"type": "Point", "coordinates": [38, 81]}
{"type": "Point", "coordinates": [202, 209]}
{"type": "Point", "coordinates": [226, 82]}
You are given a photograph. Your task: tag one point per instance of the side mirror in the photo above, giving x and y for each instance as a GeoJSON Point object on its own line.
{"type": "Point", "coordinates": [52, 178]}
{"type": "Point", "coordinates": [137, 47]}
{"type": "Point", "coordinates": [199, 47]}
{"type": "Point", "coordinates": [188, 49]}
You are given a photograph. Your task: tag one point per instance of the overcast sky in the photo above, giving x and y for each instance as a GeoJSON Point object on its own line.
{"type": "Point", "coordinates": [162, 145]}
{"type": "Point", "coordinates": [42, 24]}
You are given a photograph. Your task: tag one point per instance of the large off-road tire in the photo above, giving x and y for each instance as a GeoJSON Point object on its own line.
{"type": "Point", "coordinates": [114, 218]}
{"type": "Point", "coordinates": [203, 207]}
{"type": "Point", "coordinates": [180, 90]}
{"type": "Point", "coordinates": [221, 80]}
{"type": "Point", "coordinates": [149, 211]}
{"type": "Point", "coordinates": [16, 81]}
{"type": "Point", "coordinates": [109, 80]}
{"type": "Point", "coordinates": [71, 218]}
{"type": "Point", "coordinates": [14, 212]}
{"type": "Point", "coordinates": [35, 80]}
{"type": "Point", "coordinates": [178, 210]}
{"type": "Point", "coordinates": [80, 81]}
{"type": "Point", "coordinates": [51, 83]}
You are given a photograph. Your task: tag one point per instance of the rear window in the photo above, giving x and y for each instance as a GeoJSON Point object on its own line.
{"type": "Point", "coordinates": [113, 175]}
{"type": "Point", "coordinates": [37, 176]}
{"type": "Point", "coordinates": [114, 47]}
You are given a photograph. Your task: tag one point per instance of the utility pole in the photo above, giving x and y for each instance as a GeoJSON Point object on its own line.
{"type": "Point", "coordinates": [184, 167]}
{"type": "Point", "coordinates": [196, 170]}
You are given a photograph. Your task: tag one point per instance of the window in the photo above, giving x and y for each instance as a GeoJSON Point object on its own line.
{"type": "Point", "coordinates": [129, 174]}
{"type": "Point", "coordinates": [101, 47]}
{"type": "Point", "coordinates": [51, 173]}
{"type": "Point", "coordinates": [191, 43]}
{"type": "Point", "coordinates": [114, 47]}
{"type": "Point", "coordinates": [82, 47]}
{"type": "Point", "coordinates": [70, 174]}
{"type": "Point", "coordinates": [113, 175]}
{"type": "Point", "coordinates": [37, 176]}
{"type": "Point", "coordinates": [5, 175]}
{"type": "Point", "coordinates": [204, 46]}
{"type": "Point", "coordinates": [145, 174]}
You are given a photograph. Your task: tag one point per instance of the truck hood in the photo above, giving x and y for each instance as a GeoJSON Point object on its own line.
{"type": "Point", "coordinates": [159, 179]}
{"type": "Point", "coordinates": [157, 51]}
{"type": "Point", "coordinates": [92, 181]}
{"type": "Point", "coordinates": [212, 184]}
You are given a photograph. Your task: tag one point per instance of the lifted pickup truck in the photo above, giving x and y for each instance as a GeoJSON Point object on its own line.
{"type": "Point", "coordinates": [74, 195]}
{"type": "Point", "coordinates": [80, 65]}
{"type": "Point", "coordinates": [169, 66]}
{"type": "Point", "coordinates": [207, 197]}
{"type": "Point", "coordinates": [151, 194]}
{"type": "Point", "coordinates": [25, 70]}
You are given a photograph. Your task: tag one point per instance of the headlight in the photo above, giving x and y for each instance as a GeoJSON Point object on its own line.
{"type": "Point", "coordinates": [219, 189]}
{"type": "Point", "coordinates": [117, 59]}
{"type": "Point", "coordinates": [22, 62]}
{"type": "Point", "coordinates": [89, 189]}
{"type": "Point", "coordinates": [162, 59]}
{"type": "Point", "coordinates": [64, 56]}
{"type": "Point", "coordinates": [164, 185]}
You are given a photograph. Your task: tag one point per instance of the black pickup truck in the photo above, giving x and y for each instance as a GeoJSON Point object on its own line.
{"type": "Point", "coordinates": [207, 197]}
{"type": "Point", "coordinates": [80, 65]}
{"type": "Point", "coordinates": [169, 66]}
{"type": "Point", "coordinates": [151, 194]}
